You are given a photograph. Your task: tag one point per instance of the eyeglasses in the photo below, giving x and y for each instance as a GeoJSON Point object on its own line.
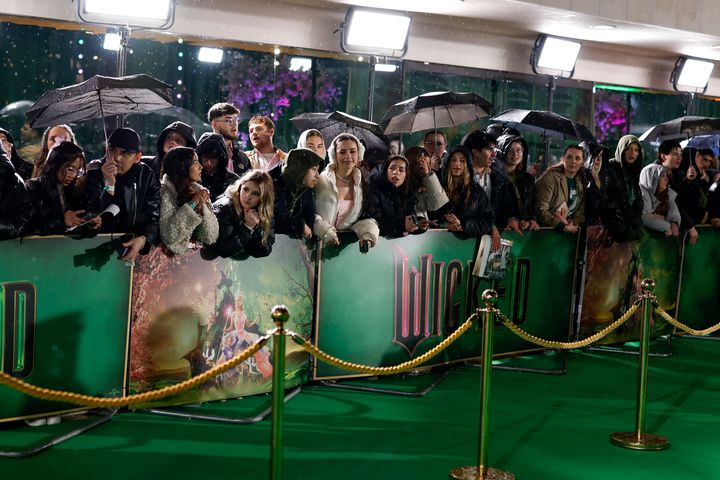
{"type": "Point", "coordinates": [230, 121]}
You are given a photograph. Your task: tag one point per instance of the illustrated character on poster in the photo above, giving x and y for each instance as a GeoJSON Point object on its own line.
{"type": "Point", "coordinates": [236, 338]}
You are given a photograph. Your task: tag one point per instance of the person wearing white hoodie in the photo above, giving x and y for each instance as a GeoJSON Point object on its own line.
{"type": "Point", "coordinates": [339, 194]}
{"type": "Point", "coordinates": [660, 212]}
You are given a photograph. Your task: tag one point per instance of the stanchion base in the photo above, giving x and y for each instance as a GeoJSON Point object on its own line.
{"type": "Point", "coordinates": [647, 441]}
{"type": "Point", "coordinates": [471, 473]}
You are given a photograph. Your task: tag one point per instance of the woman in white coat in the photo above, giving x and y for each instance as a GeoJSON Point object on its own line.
{"type": "Point", "coordinates": [339, 194]}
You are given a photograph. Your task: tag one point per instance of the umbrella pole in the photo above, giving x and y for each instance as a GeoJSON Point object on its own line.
{"type": "Point", "coordinates": [102, 115]}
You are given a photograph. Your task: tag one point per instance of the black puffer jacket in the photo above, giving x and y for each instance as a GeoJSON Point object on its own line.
{"type": "Point", "coordinates": [388, 205]}
{"type": "Point", "coordinates": [294, 202]}
{"type": "Point", "coordinates": [217, 183]}
{"type": "Point", "coordinates": [183, 129]}
{"type": "Point", "coordinates": [14, 205]}
{"type": "Point", "coordinates": [476, 215]}
{"type": "Point", "coordinates": [22, 168]}
{"type": "Point", "coordinates": [137, 193]}
{"type": "Point", "coordinates": [235, 239]}
{"type": "Point", "coordinates": [622, 204]}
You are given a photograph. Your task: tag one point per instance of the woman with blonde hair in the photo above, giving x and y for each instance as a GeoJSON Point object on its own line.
{"type": "Point", "coordinates": [54, 135]}
{"type": "Point", "coordinates": [245, 216]}
{"type": "Point", "coordinates": [339, 194]}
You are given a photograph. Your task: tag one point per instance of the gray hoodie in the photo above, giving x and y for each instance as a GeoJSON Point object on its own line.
{"type": "Point", "coordinates": [649, 177]}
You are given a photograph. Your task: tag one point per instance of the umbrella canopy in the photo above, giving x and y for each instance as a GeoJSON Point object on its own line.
{"type": "Point", "coordinates": [434, 110]}
{"type": "Point", "coordinates": [330, 125]}
{"type": "Point", "coordinates": [682, 128]}
{"type": "Point", "coordinates": [99, 97]}
{"type": "Point", "coordinates": [16, 108]}
{"type": "Point", "coordinates": [705, 141]}
{"type": "Point", "coordinates": [545, 123]}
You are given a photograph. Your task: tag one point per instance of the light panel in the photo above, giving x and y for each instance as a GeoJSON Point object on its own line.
{"type": "Point", "coordinates": [555, 56]}
{"type": "Point", "coordinates": [691, 74]}
{"type": "Point", "coordinates": [300, 64]}
{"type": "Point", "coordinates": [210, 55]}
{"type": "Point", "coordinates": [378, 32]}
{"type": "Point", "coordinates": [111, 42]}
{"type": "Point", "coordinates": [134, 13]}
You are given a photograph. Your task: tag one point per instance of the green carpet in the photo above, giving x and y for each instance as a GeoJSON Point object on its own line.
{"type": "Point", "coordinates": [542, 427]}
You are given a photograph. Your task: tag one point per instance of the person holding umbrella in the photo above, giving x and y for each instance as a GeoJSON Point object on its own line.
{"type": "Point", "coordinates": [121, 179]}
{"type": "Point", "coordinates": [560, 193]}
{"type": "Point", "coordinates": [339, 195]}
{"type": "Point", "coordinates": [520, 208]}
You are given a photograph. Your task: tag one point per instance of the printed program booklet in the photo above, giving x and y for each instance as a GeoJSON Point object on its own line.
{"type": "Point", "coordinates": [492, 264]}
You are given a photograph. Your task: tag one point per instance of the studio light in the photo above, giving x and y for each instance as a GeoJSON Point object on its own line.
{"type": "Point", "coordinates": [554, 56]}
{"type": "Point", "coordinates": [300, 64]}
{"type": "Point", "coordinates": [111, 42]}
{"type": "Point", "coordinates": [385, 67]}
{"type": "Point", "coordinates": [134, 13]}
{"type": "Point", "coordinates": [210, 55]}
{"type": "Point", "coordinates": [691, 74]}
{"type": "Point", "coordinates": [375, 32]}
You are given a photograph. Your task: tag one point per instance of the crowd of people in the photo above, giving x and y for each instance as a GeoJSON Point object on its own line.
{"type": "Point", "coordinates": [208, 194]}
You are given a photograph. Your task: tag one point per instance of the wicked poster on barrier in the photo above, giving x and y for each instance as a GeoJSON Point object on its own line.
{"type": "Point", "coordinates": [612, 280]}
{"type": "Point", "coordinates": [189, 314]}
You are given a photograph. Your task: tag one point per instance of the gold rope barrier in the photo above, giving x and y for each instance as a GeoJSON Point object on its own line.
{"type": "Point", "coordinates": [567, 345]}
{"type": "Point", "coordinates": [666, 316]}
{"type": "Point", "coordinates": [100, 402]}
{"type": "Point", "coordinates": [356, 367]}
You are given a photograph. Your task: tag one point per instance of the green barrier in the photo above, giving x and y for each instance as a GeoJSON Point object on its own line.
{"type": "Point", "coordinates": [612, 280]}
{"type": "Point", "coordinates": [190, 314]}
{"type": "Point", "coordinates": [65, 306]}
{"type": "Point", "coordinates": [408, 294]}
{"type": "Point", "coordinates": [698, 301]}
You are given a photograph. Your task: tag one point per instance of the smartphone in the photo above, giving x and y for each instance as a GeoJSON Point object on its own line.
{"type": "Point", "coordinates": [88, 216]}
{"type": "Point", "coordinates": [415, 220]}
{"type": "Point", "coordinates": [364, 246]}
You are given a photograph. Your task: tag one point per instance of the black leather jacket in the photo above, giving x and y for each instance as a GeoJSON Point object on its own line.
{"type": "Point", "coordinates": [235, 239]}
{"type": "Point", "coordinates": [14, 205]}
{"type": "Point", "coordinates": [137, 193]}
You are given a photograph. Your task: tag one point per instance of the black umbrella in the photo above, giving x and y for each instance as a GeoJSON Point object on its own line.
{"type": "Point", "coordinates": [682, 128]}
{"type": "Point", "coordinates": [330, 125]}
{"type": "Point", "coordinates": [100, 97]}
{"type": "Point", "coordinates": [545, 123]}
{"type": "Point", "coordinates": [434, 110]}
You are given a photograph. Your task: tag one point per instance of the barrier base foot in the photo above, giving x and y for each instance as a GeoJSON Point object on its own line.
{"type": "Point", "coordinates": [471, 473]}
{"type": "Point", "coordinates": [646, 441]}
{"type": "Point", "coordinates": [416, 393]}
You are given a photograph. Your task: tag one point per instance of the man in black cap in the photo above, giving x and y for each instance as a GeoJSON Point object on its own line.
{"type": "Point", "coordinates": [121, 179]}
{"type": "Point", "coordinates": [294, 199]}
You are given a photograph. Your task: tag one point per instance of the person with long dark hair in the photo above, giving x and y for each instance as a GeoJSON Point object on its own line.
{"type": "Point", "coordinates": [185, 210]}
{"type": "Point", "coordinates": [425, 184]}
{"type": "Point", "coordinates": [470, 213]}
{"type": "Point", "coordinates": [519, 208]}
{"type": "Point", "coordinates": [53, 195]}
{"type": "Point", "coordinates": [54, 135]}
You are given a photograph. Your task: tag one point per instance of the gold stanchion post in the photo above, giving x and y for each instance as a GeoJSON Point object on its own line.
{"type": "Point", "coordinates": [482, 471]}
{"type": "Point", "coordinates": [639, 439]}
{"type": "Point", "coordinates": [280, 315]}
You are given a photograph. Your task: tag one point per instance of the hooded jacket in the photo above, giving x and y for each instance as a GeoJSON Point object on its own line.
{"type": "Point", "coordinates": [14, 204]}
{"type": "Point", "coordinates": [649, 177]}
{"type": "Point", "coordinates": [294, 202]}
{"type": "Point", "coordinates": [326, 203]}
{"type": "Point", "coordinates": [476, 216]}
{"type": "Point", "coordinates": [218, 182]}
{"type": "Point", "coordinates": [302, 143]}
{"type": "Point", "coordinates": [22, 168]}
{"type": "Point", "coordinates": [388, 204]}
{"type": "Point", "coordinates": [691, 199]}
{"type": "Point", "coordinates": [519, 200]}
{"type": "Point", "coordinates": [183, 129]}
{"type": "Point", "coordinates": [181, 224]}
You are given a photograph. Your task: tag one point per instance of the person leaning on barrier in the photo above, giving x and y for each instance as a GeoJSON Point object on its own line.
{"type": "Point", "coordinates": [294, 199]}
{"type": "Point", "coordinates": [53, 135]}
{"type": "Point", "coordinates": [391, 201]}
{"type": "Point", "coordinates": [177, 134]}
{"type": "Point", "coordinates": [121, 179]}
{"type": "Point", "coordinates": [470, 211]}
{"type": "Point", "coordinates": [186, 213]}
{"type": "Point", "coordinates": [55, 201]}
{"type": "Point", "coordinates": [213, 155]}
{"type": "Point", "coordinates": [339, 194]}
{"type": "Point", "coordinates": [519, 208]}
{"type": "Point", "coordinates": [14, 205]}
{"type": "Point", "coordinates": [659, 211]}
{"type": "Point", "coordinates": [245, 215]}
{"type": "Point", "coordinates": [560, 193]}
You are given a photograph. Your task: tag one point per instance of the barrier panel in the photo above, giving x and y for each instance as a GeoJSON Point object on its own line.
{"type": "Point", "coordinates": [65, 310]}
{"type": "Point", "coordinates": [698, 299]}
{"type": "Point", "coordinates": [190, 314]}
{"type": "Point", "coordinates": [613, 275]}
{"type": "Point", "coordinates": [408, 294]}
